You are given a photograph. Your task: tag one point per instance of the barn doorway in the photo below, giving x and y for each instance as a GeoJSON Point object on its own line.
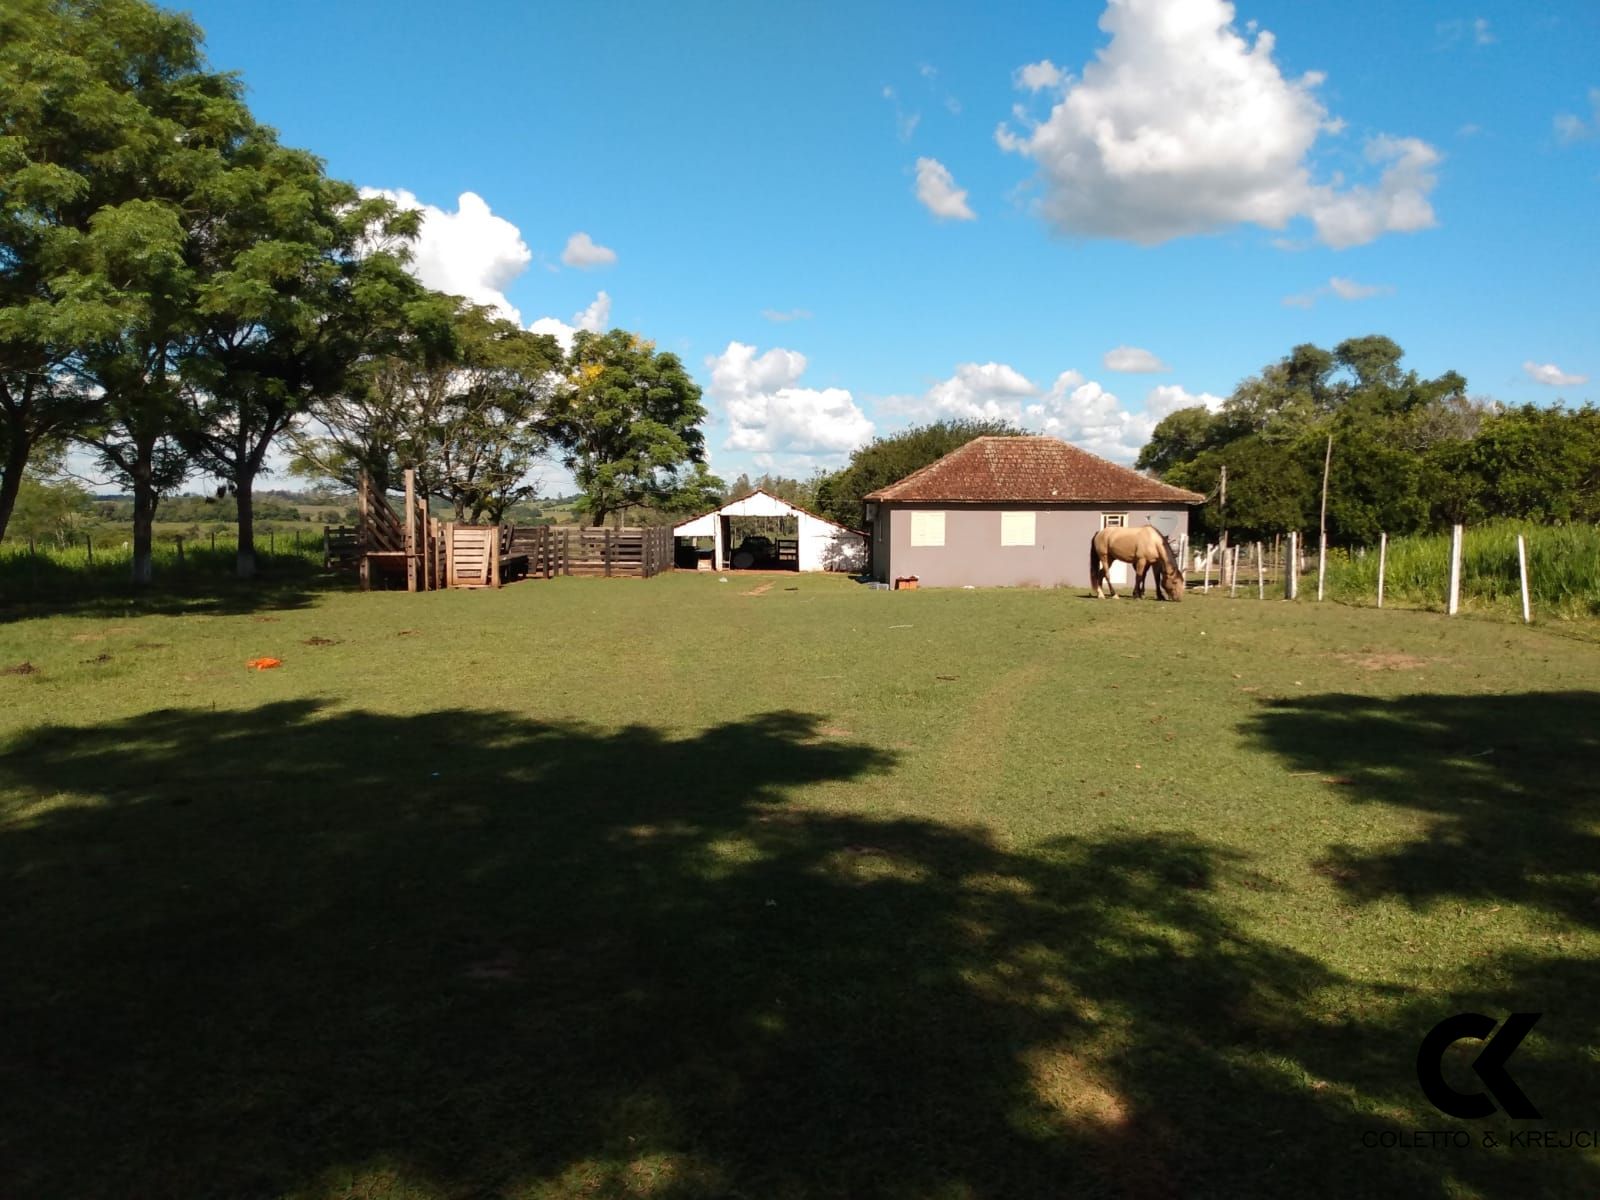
{"type": "Point", "coordinates": [763, 543]}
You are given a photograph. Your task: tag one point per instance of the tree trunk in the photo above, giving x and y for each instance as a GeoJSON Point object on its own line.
{"type": "Point", "coordinates": [244, 496]}
{"type": "Point", "coordinates": [144, 513]}
{"type": "Point", "coordinates": [18, 447]}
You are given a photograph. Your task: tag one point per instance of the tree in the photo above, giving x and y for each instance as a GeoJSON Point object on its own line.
{"type": "Point", "coordinates": [114, 146]}
{"type": "Point", "coordinates": [1177, 438]}
{"type": "Point", "coordinates": [49, 511]}
{"type": "Point", "coordinates": [455, 393]}
{"type": "Point", "coordinates": [1269, 488]}
{"type": "Point", "coordinates": [376, 425]}
{"type": "Point", "coordinates": [628, 422]}
{"type": "Point", "coordinates": [277, 331]}
{"type": "Point", "coordinates": [495, 421]}
{"type": "Point", "coordinates": [1272, 434]}
{"type": "Point", "coordinates": [890, 459]}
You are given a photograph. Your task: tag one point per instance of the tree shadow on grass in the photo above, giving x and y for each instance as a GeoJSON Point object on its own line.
{"type": "Point", "coordinates": [295, 952]}
{"type": "Point", "coordinates": [1507, 787]}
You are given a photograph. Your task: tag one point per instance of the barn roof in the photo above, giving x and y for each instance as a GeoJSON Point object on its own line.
{"type": "Point", "coordinates": [1029, 470]}
{"type": "Point", "coordinates": [749, 505]}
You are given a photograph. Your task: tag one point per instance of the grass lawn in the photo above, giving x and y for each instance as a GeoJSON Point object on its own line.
{"type": "Point", "coordinates": [679, 888]}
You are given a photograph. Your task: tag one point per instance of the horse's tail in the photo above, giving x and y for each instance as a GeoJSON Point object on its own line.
{"type": "Point", "coordinates": [1096, 573]}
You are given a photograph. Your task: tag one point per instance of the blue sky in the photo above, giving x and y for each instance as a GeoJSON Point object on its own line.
{"type": "Point", "coordinates": [847, 218]}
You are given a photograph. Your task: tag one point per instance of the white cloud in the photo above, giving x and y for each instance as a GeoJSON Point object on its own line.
{"type": "Point", "coordinates": [1132, 360]}
{"type": "Point", "coordinates": [1399, 204]}
{"type": "Point", "coordinates": [1340, 286]}
{"type": "Point", "coordinates": [905, 124]}
{"type": "Point", "coordinates": [1551, 375]}
{"type": "Point", "coordinates": [1453, 32]}
{"type": "Point", "coordinates": [781, 315]}
{"type": "Point", "coordinates": [469, 252]}
{"type": "Point", "coordinates": [938, 192]}
{"type": "Point", "coordinates": [1183, 126]}
{"type": "Point", "coordinates": [584, 253]}
{"type": "Point", "coordinates": [769, 415]}
{"type": "Point", "coordinates": [1572, 128]}
{"type": "Point", "coordinates": [1349, 289]}
{"type": "Point", "coordinates": [593, 319]}
{"type": "Point", "coordinates": [1040, 76]}
{"type": "Point", "coordinates": [1167, 398]}
{"type": "Point", "coordinates": [1073, 408]}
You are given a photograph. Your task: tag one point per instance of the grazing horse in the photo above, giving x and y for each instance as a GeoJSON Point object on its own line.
{"type": "Point", "coordinates": [1144, 547]}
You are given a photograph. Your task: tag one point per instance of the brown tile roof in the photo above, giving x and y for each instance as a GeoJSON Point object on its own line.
{"type": "Point", "coordinates": [1029, 470]}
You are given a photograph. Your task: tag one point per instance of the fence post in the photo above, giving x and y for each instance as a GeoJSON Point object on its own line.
{"type": "Point", "coordinates": [1233, 574]}
{"type": "Point", "coordinates": [1207, 586]}
{"type": "Point", "coordinates": [605, 550]}
{"type": "Point", "coordinates": [214, 540]}
{"type": "Point", "coordinates": [1261, 575]}
{"type": "Point", "coordinates": [1383, 561]}
{"type": "Point", "coordinates": [1522, 571]}
{"type": "Point", "coordinates": [1455, 570]}
{"type": "Point", "coordinates": [1322, 561]}
{"type": "Point", "coordinates": [1291, 575]}
{"type": "Point", "coordinates": [180, 552]}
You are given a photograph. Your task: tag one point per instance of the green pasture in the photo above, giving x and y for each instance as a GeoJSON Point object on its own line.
{"type": "Point", "coordinates": [782, 887]}
{"type": "Point", "coordinates": [1563, 571]}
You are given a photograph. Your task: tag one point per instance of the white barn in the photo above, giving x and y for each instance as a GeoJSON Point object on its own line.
{"type": "Point", "coordinates": [822, 544]}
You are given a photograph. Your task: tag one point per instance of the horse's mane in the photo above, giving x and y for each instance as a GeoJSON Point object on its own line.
{"type": "Point", "coordinates": [1172, 555]}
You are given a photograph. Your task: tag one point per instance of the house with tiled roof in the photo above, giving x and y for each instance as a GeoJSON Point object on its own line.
{"type": "Point", "coordinates": [1013, 512]}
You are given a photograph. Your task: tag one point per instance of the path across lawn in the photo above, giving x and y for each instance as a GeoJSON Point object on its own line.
{"type": "Point", "coordinates": [677, 888]}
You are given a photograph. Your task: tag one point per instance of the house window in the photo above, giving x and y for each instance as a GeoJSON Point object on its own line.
{"type": "Point", "coordinates": [1017, 528]}
{"type": "Point", "coordinates": [1113, 520]}
{"type": "Point", "coordinates": [927, 529]}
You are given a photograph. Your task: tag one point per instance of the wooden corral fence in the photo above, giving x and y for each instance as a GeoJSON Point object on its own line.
{"type": "Point", "coordinates": [636, 553]}
{"type": "Point", "coordinates": [430, 554]}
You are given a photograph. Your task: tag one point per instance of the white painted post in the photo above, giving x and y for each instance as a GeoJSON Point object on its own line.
{"type": "Point", "coordinates": [1261, 575]}
{"type": "Point", "coordinates": [1233, 589]}
{"type": "Point", "coordinates": [1455, 570]}
{"type": "Point", "coordinates": [1291, 575]}
{"type": "Point", "coordinates": [1383, 561]}
{"type": "Point", "coordinates": [1322, 562]}
{"type": "Point", "coordinates": [1208, 568]}
{"type": "Point", "coordinates": [1522, 570]}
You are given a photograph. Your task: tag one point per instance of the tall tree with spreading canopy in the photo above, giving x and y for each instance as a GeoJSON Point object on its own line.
{"type": "Point", "coordinates": [628, 422]}
{"type": "Point", "coordinates": [453, 391]}
{"type": "Point", "coordinates": [113, 144]}
{"type": "Point", "coordinates": [278, 328]}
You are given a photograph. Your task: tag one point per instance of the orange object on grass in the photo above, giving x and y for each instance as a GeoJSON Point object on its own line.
{"type": "Point", "coordinates": [264, 664]}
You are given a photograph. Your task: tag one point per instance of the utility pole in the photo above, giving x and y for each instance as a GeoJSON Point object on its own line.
{"type": "Point", "coordinates": [1222, 514]}
{"type": "Point", "coordinates": [1322, 548]}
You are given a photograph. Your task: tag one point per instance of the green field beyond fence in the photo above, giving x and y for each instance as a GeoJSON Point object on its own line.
{"type": "Point", "coordinates": [102, 564]}
{"type": "Point", "coordinates": [1563, 571]}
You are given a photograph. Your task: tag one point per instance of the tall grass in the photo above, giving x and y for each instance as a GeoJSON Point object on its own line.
{"type": "Point", "coordinates": [104, 564]}
{"type": "Point", "coordinates": [1563, 571]}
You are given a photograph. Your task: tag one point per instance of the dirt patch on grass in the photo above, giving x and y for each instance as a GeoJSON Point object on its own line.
{"type": "Point", "coordinates": [22, 668]}
{"type": "Point", "coordinates": [1384, 662]}
{"type": "Point", "coordinates": [321, 641]}
{"type": "Point", "coordinates": [760, 590]}
{"type": "Point", "coordinates": [151, 645]}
